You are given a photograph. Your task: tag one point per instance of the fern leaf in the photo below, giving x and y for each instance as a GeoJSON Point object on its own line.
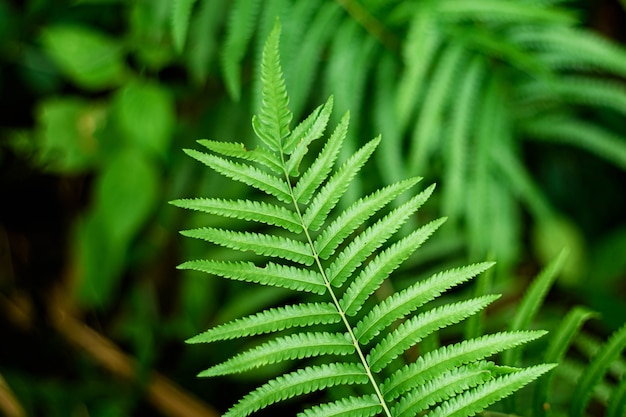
{"type": "Point", "coordinates": [351, 218]}
{"type": "Point", "coordinates": [581, 47]}
{"type": "Point", "coordinates": [365, 406]}
{"type": "Point", "coordinates": [246, 174]}
{"type": "Point", "coordinates": [531, 302]}
{"type": "Point", "coordinates": [272, 274]}
{"type": "Point", "coordinates": [302, 381]}
{"type": "Point", "coordinates": [272, 124]}
{"type": "Point", "coordinates": [321, 167]}
{"type": "Point", "coordinates": [456, 152]}
{"type": "Point", "coordinates": [241, 23]}
{"type": "Point", "coordinates": [272, 320]}
{"type": "Point", "coordinates": [261, 244]}
{"type": "Point", "coordinates": [484, 395]}
{"type": "Point", "coordinates": [329, 194]}
{"type": "Point", "coordinates": [441, 388]}
{"type": "Point", "coordinates": [382, 265]}
{"type": "Point", "coordinates": [364, 244]}
{"type": "Point", "coordinates": [414, 330]}
{"type": "Point", "coordinates": [307, 131]}
{"type": "Point", "coordinates": [425, 36]}
{"type": "Point", "coordinates": [181, 14]}
{"type": "Point", "coordinates": [238, 150]}
{"type": "Point", "coordinates": [609, 352]}
{"type": "Point", "coordinates": [426, 131]}
{"type": "Point", "coordinates": [296, 346]}
{"type": "Point", "coordinates": [448, 357]}
{"type": "Point", "coordinates": [580, 90]}
{"type": "Point", "coordinates": [402, 303]}
{"type": "Point", "coordinates": [312, 128]}
{"type": "Point", "coordinates": [244, 209]}
{"type": "Point", "coordinates": [503, 10]}
{"type": "Point", "coordinates": [585, 135]}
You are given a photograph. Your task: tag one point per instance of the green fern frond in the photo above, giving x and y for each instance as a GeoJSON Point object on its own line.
{"type": "Point", "coordinates": [568, 130]}
{"type": "Point", "coordinates": [310, 129]}
{"type": "Point", "coordinates": [343, 257]}
{"type": "Point", "coordinates": [574, 47]}
{"type": "Point", "coordinates": [272, 124]}
{"type": "Point", "coordinates": [313, 177]}
{"type": "Point", "coordinates": [246, 174]}
{"type": "Point", "coordinates": [381, 266]}
{"type": "Point", "coordinates": [402, 303]}
{"type": "Point", "coordinates": [238, 150]}
{"type": "Point", "coordinates": [479, 398]}
{"type": "Point", "coordinates": [271, 274]}
{"type": "Point", "coordinates": [181, 14]}
{"type": "Point", "coordinates": [371, 238]}
{"type": "Point", "coordinates": [328, 196]}
{"type": "Point", "coordinates": [241, 24]}
{"type": "Point", "coordinates": [302, 381]}
{"type": "Point", "coordinates": [426, 132]}
{"type": "Point", "coordinates": [340, 228]}
{"type": "Point", "coordinates": [296, 346]}
{"type": "Point", "coordinates": [424, 36]}
{"type": "Point", "coordinates": [259, 243]}
{"type": "Point", "coordinates": [257, 211]}
{"type": "Point", "coordinates": [441, 388]}
{"type": "Point", "coordinates": [418, 327]}
{"type": "Point", "coordinates": [272, 320]}
{"type": "Point", "coordinates": [448, 357]}
{"type": "Point", "coordinates": [365, 406]}
{"type": "Point", "coordinates": [458, 140]}
{"type": "Point", "coordinates": [503, 10]}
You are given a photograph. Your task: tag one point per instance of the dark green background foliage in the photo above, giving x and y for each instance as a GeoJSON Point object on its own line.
{"type": "Point", "coordinates": [516, 108]}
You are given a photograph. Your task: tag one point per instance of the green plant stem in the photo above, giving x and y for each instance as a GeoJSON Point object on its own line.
{"type": "Point", "coordinates": [342, 313]}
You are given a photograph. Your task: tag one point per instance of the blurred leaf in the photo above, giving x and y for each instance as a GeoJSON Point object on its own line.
{"type": "Point", "coordinates": [91, 59]}
{"type": "Point", "coordinates": [126, 194]}
{"type": "Point", "coordinates": [204, 38]}
{"type": "Point", "coordinates": [67, 127]}
{"type": "Point", "coordinates": [149, 31]}
{"type": "Point", "coordinates": [99, 263]}
{"type": "Point", "coordinates": [145, 115]}
{"type": "Point", "coordinates": [181, 14]}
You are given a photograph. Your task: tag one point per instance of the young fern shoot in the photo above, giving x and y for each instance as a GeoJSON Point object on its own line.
{"type": "Point", "coordinates": [341, 258]}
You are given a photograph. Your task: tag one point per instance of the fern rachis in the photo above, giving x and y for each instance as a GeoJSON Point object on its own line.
{"type": "Point", "coordinates": [344, 261]}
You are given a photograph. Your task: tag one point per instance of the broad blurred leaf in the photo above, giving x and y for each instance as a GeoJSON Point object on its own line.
{"type": "Point", "coordinates": [181, 14]}
{"type": "Point", "coordinates": [126, 193]}
{"type": "Point", "coordinates": [145, 115]}
{"type": "Point", "coordinates": [67, 127]}
{"type": "Point", "coordinates": [91, 59]}
{"type": "Point", "coordinates": [99, 262]}
{"type": "Point", "coordinates": [149, 32]}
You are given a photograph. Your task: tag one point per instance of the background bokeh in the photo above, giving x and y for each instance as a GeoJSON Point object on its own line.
{"type": "Point", "coordinates": [515, 108]}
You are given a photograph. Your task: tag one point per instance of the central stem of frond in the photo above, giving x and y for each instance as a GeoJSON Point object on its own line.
{"type": "Point", "coordinates": [355, 342]}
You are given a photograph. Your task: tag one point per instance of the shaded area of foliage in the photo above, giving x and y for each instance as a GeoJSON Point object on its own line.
{"type": "Point", "coordinates": [523, 132]}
